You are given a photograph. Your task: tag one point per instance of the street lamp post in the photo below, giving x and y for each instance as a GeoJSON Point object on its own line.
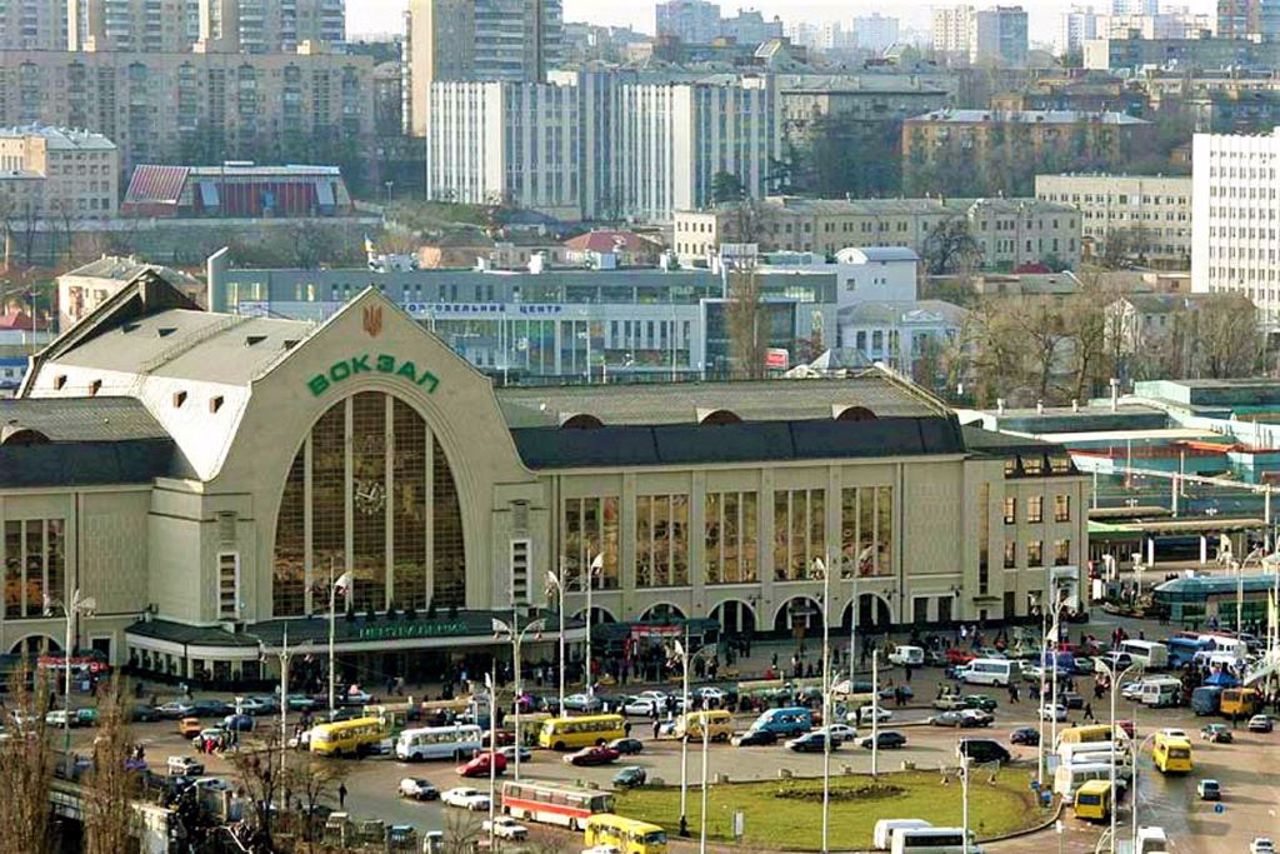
{"type": "Point", "coordinates": [1115, 677]}
{"type": "Point", "coordinates": [1133, 808]}
{"type": "Point", "coordinates": [596, 567]}
{"type": "Point", "coordinates": [78, 605]}
{"type": "Point", "coordinates": [1240, 565]}
{"type": "Point", "coordinates": [964, 802]}
{"type": "Point", "coordinates": [706, 741]}
{"type": "Point", "coordinates": [825, 569]}
{"type": "Point", "coordinates": [343, 583]}
{"type": "Point", "coordinates": [516, 635]}
{"type": "Point", "coordinates": [491, 683]}
{"type": "Point", "coordinates": [682, 652]}
{"type": "Point", "coordinates": [875, 710]}
{"type": "Point", "coordinates": [557, 581]}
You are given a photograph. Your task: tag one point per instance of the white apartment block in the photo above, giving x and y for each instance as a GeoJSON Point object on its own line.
{"type": "Point", "coordinates": [56, 172]}
{"type": "Point", "coordinates": [505, 143]}
{"type": "Point", "coordinates": [951, 29]}
{"type": "Point", "coordinates": [636, 150]}
{"type": "Point", "coordinates": [1154, 211]}
{"type": "Point", "coordinates": [1235, 242]}
{"type": "Point", "coordinates": [1074, 28]}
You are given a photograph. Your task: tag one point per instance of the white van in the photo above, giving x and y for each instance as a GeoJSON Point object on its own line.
{"type": "Point", "coordinates": [905, 656]}
{"type": "Point", "coordinates": [1152, 654]}
{"type": "Point", "coordinates": [1068, 778]}
{"type": "Point", "coordinates": [931, 840]}
{"type": "Point", "coordinates": [883, 835]}
{"type": "Point", "coordinates": [990, 671]}
{"type": "Point", "coordinates": [1068, 750]}
{"type": "Point", "coordinates": [1158, 693]}
{"type": "Point", "coordinates": [1152, 840]}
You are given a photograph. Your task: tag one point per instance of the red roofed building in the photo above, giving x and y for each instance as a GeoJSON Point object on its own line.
{"type": "Point", "coordinates": [627, 248]}
{"type": "Point", "coordinates": [237, 189]}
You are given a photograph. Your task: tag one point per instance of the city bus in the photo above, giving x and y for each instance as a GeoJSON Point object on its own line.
{"type": "Point", "coordinates": [570, 733]}
{"type": "Point", "coordinates": [1152, 654]}
{"type": "Point", "coordinates": [1171, 754]}
{"type": "Point", "coordinates": [438, 742]}
{"type": "Point", "coordinates": [553, 803]}
{"type": "Point", "coordinates": [347, 738]}
{"type": "Point", "coordinates": [627, 835]}
{"type": "Point", "coordinates": [1183, 648]}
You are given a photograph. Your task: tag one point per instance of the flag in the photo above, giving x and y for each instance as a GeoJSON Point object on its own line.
{"type": "Point", "coordinates": [368, 245]}
{"type": "Point", "coordinates": [343, 584]}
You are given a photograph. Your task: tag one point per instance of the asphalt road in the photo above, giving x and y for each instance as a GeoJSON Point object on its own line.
{"type": "Point", "coordinates": [1246, 770]}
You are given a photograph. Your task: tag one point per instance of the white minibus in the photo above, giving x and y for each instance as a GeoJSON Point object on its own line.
{"type": "Point", "coordinates": [1152, 654]}
{"type": "Point", "coordinates": [931, 840]}
{"type": "Point", "coordinates": [990, 671]}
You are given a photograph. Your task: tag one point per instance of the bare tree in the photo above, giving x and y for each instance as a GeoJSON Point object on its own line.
{"type": "Point", "coordinates": [110, 787]}
{"type": "Point", "coordinates": [311, 785]}
{"type": "Point", "coordinates": [260, 769]}
{"type": "Point", "coordinates": [1230, 344]}
{"type": "Point", "coordinates": [461, 832]}
{"type": "Point", "coordinates": [747, 324]}
{"type": "Point", "coordinates": [26, 769]}
{"type": "Point", "coordinates": [950, 247]}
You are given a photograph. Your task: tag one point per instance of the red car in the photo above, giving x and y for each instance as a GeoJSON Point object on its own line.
{"type": "Point", "coordinates": [955, 655]}
{"type": "Point", "coordinates": [503, 738]}
{"type": "Point", "coordinates": [598, 755]}
{"type": "Point", "coordinates": [478, 766]}
{"type": "Point", "coordinates": [1126, 725]}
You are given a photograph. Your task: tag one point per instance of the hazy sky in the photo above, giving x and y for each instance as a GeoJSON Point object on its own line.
{"type": "Point", "coordinates": [365, 16]}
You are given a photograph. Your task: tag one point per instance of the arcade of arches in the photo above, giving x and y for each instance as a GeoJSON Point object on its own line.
{"type": "Point", "coordinates": [370, 491]}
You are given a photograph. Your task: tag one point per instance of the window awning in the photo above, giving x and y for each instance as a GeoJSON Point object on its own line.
{"type": "Point", "coordinates": [209, 194]}
{"type": "Point", "coordinates": [324, 194]}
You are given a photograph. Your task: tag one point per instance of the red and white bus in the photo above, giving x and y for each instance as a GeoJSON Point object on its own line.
{"type": "Point", "coordinates": [553, 803]}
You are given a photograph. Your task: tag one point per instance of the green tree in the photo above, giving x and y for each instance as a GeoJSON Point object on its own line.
{"type": "Point", "coordinates": [950, 247]}
{"type": "Point", "coordinates": [727, 187]}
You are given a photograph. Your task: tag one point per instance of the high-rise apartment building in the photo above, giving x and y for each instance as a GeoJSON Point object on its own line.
{"type": "Point", "coordinates": [999, 36]}
{"type": "Point", "coordinates": [270, 26]}
{"type": "Point", "coordinates": [1235, 238]}
{"type": "Point", "coordinates": [749, 27]}
{"type": "Point", "coordinates": [194, 107]}
{"type": "Point", "coordinates": [460, 40]}
{"type": "Point", "coordinates": [1135, 7]}
{"type": "Point", "coordinates": [690, 21]}
{"type": "Point", "coordinates": [952, 29]}
{"type": "Point", "coordinates": [33, 24]}
{"type": "Point", "coordinates": [634, 149]}
{"type": "Point", "coordinates": [1245, 19]}
{"type": "Point", "coordinates": [153, 26]}
{"type": "Point", "coordinates": [875, 31]}
{"type": "Point", "coordinates": [1075, 28]}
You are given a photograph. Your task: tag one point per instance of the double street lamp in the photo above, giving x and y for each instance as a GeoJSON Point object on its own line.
{"type": "Point", "coordinates": [78, 605]}
{"type": "Point", "coordinates": [1103, 666]}
{"type": "Point", "coordinates": [516, 635]}
{"type": "Point", "coordinates": [683, 653]}
{"type": "Point", "coordinates": [561, 583]}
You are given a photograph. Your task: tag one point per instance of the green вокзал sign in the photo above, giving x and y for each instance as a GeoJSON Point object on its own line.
{"type": "Point", "coordinates": [402, 631]}
{"type": "Point", "coordinates": [365, 363]}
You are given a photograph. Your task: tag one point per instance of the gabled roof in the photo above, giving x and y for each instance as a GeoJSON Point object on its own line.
{"type": "Point", "coordinates": [604, 241]}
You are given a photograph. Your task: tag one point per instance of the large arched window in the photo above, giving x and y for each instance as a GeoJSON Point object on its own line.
{"type": "Point", "coordinates": [371, 464]}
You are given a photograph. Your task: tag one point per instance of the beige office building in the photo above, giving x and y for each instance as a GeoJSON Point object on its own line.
{"type": "Point", "coordinates": [204, 476]}
{"type": "Point", "coordinates": [1151, 213]}
{"type": "Point", "coordinates": [57, 172]}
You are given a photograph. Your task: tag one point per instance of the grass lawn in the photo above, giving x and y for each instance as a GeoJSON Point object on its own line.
{"type": "Point", "coordinates": [788, 813]}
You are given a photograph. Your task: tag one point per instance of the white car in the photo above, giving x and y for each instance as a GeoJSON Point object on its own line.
{"type": "Point", "coordinates": [841, 732]}
{"type": "Point", "coordinates": [1131, 691]}
{"type": "Point", "coordinates": [864, 714]}
{"type": "Point", "coordinates": [1174, 732]}
{"type": "Point", "coordinates": [505, 827]}
{"type": "Point", "coordinates": [465, 798]}
{"type": "Point", "coordinates": [249, 706]}
{"type": "Point", "coordinates": [642, 706]}
{"type": "Point", "coordinates": [1262, 845]}
{"type": "Point", "coordinates": [1049, 713]}
{"type": "Point", "coordinates": [602, 849]}
{"type": "Point", "coordinates": [418, 789]}
{"type": "Point", "coordinates": [659, 696]}
{"type": "Point", "coordinates": [708, 693]}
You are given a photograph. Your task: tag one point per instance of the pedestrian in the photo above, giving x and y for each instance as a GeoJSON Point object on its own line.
{"type": "Point", "coordinates": [342, 796]}
{"type": "Point", "coordinates": [657, 725]}
{"type": "Point", "coordinates": [1088, 712]}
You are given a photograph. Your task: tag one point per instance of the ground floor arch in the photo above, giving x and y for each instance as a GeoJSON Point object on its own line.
{"type": "Point", "coordinates": [36, 645]}
{"type": "Point", "coordinates": [798, 612]}
{"type": "Point", "coordinates": [599, 615]}
{"type": "Point", "coordinates": [873, 613]}
{"type": "Point", "coordinates": [735, 617]}
{"type": "Point", "coordinates": [663, 612]}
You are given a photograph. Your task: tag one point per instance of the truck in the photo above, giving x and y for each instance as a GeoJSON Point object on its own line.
{"type": "Point", "coordinates": [1206, 700]}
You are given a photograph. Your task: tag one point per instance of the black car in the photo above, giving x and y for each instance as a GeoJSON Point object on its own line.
{"type": "Point", "coordinates": [210, 709]}
{"type": "Point", "coordinates": [143, 714]}
{"type": "Point", "coordinates": [755, 738]}
{"type": "Point", "coordinates": [627, 746]}
{"type": "Point", "coordinates": [983, 750]}
{"type": "Point", "coordinates": [811, 742]}
{"type": "Point", "coordinates": [630, 777]}
{"type": "Point", "coordinates": [1071, 699]}
{"type": "Point", "coordinates": [1025, 735]}
{"type": "Point", "coordinates": [886, 739]}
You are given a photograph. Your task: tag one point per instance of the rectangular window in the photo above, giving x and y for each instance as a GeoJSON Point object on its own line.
{"type": "Point", "coordinates": [228, 585]}
{"type": "Point", "coordinates": [1062, 508]}
{"type": "Point", "coordinates": [730, 538]}
{"type": "Point", "coordinates": [1035, 553]}
{"type": "Point", "coordinates": [662, 541]}
{"type": "Point", "coordinates": [866, 529]}
{"type": "Point", "coordinates": [520, 550]}
{"type": "Point", "coordinates": [1061, 552]}
{"type": "Point", "coordinates": [1010, 554]}
{"type": "Point", "coordinates": [1035, 509]}
{"type": "Point", "coordinates": [589, 527]}
{"type": "Point", "coordinates": [1010, 510]}
{"type": "Point", "coordinates": [984, 539]}
{"type": "Point", "coordinates": [799, 524]}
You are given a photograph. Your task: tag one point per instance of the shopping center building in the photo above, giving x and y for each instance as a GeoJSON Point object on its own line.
{"type": "Point", "coordinates": [203, 476]}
